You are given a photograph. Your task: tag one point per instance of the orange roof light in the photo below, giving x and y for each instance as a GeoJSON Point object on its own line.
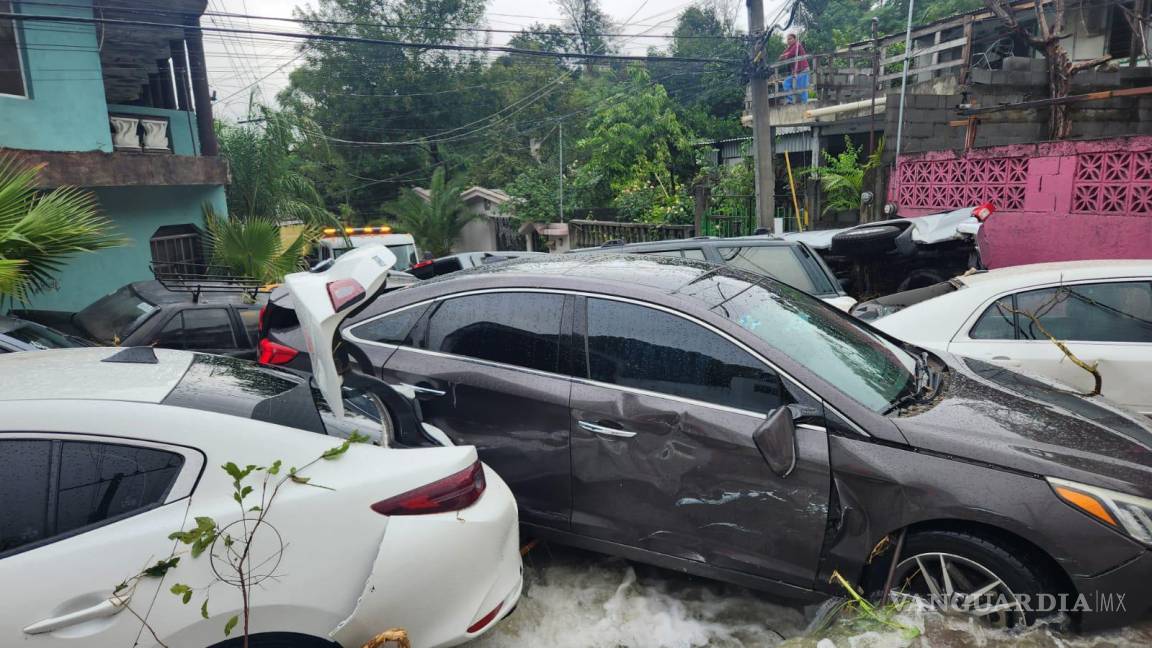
{"type": "Point", "coordinates": [349, 230]}
{"type": "Point", "coordinates": [329, 231]}
{"type": "Point", "coordinates": [383, 229]}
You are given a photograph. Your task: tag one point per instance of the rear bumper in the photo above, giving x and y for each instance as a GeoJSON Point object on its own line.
{"type": "Point", "coordinates": [437, 575]}
{"type": "Point", "coordinates": [1118, 597]}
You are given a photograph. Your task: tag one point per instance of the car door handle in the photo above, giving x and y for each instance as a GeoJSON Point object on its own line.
{"type": "Point", "coordinates": [105, 608]}
{"type": "Point", "coordinates": [424, 391]}
{"type": "Point", "coordinates": [603, 429]}
{"type": "Point", "coordinates": [1005, 360]}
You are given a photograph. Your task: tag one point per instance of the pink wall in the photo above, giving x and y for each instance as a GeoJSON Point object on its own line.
{"type": "Point", "coordinates": [1055, 201]}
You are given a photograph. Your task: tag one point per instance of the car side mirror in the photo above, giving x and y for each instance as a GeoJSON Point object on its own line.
{"type": "Point", "coordinates": [776, 440]}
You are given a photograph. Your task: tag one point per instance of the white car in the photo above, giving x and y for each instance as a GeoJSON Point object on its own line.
{"type": "Point", "coordinates": [1101, 309]}
{"type": "Point", "coordinates": [104, 452]}
{"type": "Point", "coordinates": [336, 243]}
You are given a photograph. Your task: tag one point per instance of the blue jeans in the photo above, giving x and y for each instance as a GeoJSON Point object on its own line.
{"type": "Point", "coordinates": [798, 81]}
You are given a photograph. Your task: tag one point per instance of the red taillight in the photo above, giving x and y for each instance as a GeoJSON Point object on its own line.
{"type": "Point", "coordinates": [344, 292]}
{"type": "Point", "coordinates": [423, 264]}
{"type": "Point", "coordinates": [260, 320]}
{"type": "Point", "coordinates": [455, 492]}
{"type": "Point", "coordinates": [486, 619]}
{"type": "Point", "coordinates": [983, 211]}
{"type": "Point", "coordinates": [272, 353]}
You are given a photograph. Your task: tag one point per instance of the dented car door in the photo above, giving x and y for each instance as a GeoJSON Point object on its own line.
{"type": "Point", "coordinates": [664, 456]}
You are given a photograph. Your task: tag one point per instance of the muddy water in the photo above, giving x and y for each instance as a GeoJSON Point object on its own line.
{"type": "Point", "coordinates": [580, 600]}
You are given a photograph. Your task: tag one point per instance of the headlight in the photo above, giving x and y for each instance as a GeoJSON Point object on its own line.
{"type": "Point", "coordinates": [1118, 510]}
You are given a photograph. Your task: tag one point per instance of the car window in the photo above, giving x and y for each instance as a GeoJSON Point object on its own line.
{"type": "Point", "coordinates": [114, 316]}
{"type": "Point", "coordinates": [777, 261]}
{"type": "Point", "coordinates": [94, 482]}
{"type": "Point", "coordinates": [695, 254]}
{"type": "Point", "coordinates": [250, 319]}
{"type": "Point", "coordinates": [198, 328]}
{"type": "Point", "coordinates": [393, 328]}
{"type": "Point", "coordinates": [24, 491]}
{"type": "Point", "coordinates": [1100, 312]}
{"type": "Point", "coordinates": [645, 348]}
{"type": "Point", "coordinates": [521, 329]}
{"type": "Point", "coordinates": [860, 363]}
{"type": "Point", "coordinates": [997, 322]}
{"type": "Point", "coordinates": [40, 337]}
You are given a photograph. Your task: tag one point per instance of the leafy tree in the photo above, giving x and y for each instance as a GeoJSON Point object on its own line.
{"type": "Point", "coordinates": [268, 181]}
{"type": "Point", "coordinates": [253, 247]}
{"type": "Point", "coordinates": [842, 176]}
{"type": "Point", "coordinates": [588, 20]}
{"type": "Point", "coordinates": [536, 194]}
{"type": "Point", "coordinates": [39, 231]}
{"type": "Point", "coordinates": [434, 222]}
{"type": "Point", "coordinates": [635, 139]}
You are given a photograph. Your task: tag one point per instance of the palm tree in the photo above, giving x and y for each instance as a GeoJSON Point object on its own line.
{"type": "Point", "coordinates": [267, 179]}
{"type": "Point", "coordinates": [40, 231]}
{"type": "Point", "coordinates": [435, 222]}
{"type": "Point", "coordinates": [252, 247]}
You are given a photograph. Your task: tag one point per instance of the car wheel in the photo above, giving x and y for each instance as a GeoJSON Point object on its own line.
{"type": "Point", "coordinates": [863, 241]}
{"type": "Point", "coordinates": [277, 640]}
{"type": "Point", "coordinates": [971, 575]}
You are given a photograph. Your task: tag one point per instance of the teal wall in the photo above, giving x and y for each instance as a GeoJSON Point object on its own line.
{"type": "Point", "coordinates": [66, 109]}
{"type": "Point", "coordinates": [137, 212]}
{"type": "Point", "coordinates": [181, 126]}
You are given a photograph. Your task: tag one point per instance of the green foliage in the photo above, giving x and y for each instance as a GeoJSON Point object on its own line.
{"type": "Point", "coordinates": [434, 222]}
{"type": "Point", "coordinates": [253, 247]}
{"type": "Point", "coordinates": [40, 231]}
{"type": "Point", "coordinates": [842, 176]}
{"type": "Point", "coordinates": [231, 625]}
{"type": "Point", "coordinates": [268, 178]}
{"type": "Point", "coordinates": [536, 194]}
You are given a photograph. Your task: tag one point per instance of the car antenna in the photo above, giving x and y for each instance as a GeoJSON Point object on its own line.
{"type": "Point", "coordinates": [134, 355]}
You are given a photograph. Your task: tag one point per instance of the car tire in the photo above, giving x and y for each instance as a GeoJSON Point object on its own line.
{"type": "Point", "coordinates": [1021, 572]}
{"type": "Point", "coordinates": [277, 640]}
{"type": "Point", "coordinates": [865, 241]}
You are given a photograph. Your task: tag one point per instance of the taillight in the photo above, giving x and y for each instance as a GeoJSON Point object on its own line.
{"type": "Point", "coordinates": [272, 353]}
{"type": "Point", "coordinates": [344, 293]}
{"type": "Point", "coordinates": [454, 492]}
{"type": "Point", "coordinates": [422, 264]}
{"type": "Point", "coordinates": [983, 211]}
{"type": "Point", "coordinates": [486, 619]}
{"type": "Point", "coordinates": [260, 321]}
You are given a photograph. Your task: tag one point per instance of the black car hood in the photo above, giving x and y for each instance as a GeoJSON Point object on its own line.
{"type": "Point", "coordinates": [992, 415]}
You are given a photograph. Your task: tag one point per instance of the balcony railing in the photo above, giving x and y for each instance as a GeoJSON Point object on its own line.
{"type": "Point", "coordinates": [153, 130]}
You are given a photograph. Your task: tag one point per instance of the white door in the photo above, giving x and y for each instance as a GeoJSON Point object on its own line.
{"type": "Point", "coordinates": [1108, 323]}
{"type": "Point", "coordinates": [78, 516]}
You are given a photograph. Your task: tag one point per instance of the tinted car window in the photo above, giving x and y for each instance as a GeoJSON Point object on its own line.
{"type": "Point", "coordinates": [96, 482]}
{"type": "Point", "coordinates": [99, 481]}
{"type": "Point", "coordinates": [998, 322]}
{"type": "Point", "coordinates": [198, 328]}
{"type": "Point", "coordinates": [250, 319]}
{"type": "Point", "coordinates": [521, 329]}
{"type": "Point", "coordinates": [779, 262]}
{"type": "Point", "coordinates": [1103, 312]}
{"type": "Point", "coordinates": [635, 346]}
{"type": "Point", "coordinates": [393, 328]}
{"type": "Point", "coordinates": [36, 335]}
{"type": "Point", "coordinates": [24, 492]}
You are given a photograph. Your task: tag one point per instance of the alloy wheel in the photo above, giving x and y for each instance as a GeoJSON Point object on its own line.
{"type": "Point", "coordinates": [955, 584]}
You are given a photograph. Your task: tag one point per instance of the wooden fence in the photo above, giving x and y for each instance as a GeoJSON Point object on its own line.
{"type": "Point", "coordinates": [590, 233]}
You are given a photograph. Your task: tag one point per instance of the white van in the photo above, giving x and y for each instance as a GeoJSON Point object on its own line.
{"type": "Point", "coordinates": [403, 246]}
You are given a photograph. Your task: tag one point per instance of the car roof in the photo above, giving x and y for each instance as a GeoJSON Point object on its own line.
{"type": "Point", "coordinates": [156, 293]}
{"type": "Point", "coordinates": [694, 242]}
{"type": "Point", "coordinates": [81, 373]}
{"type": "Point", "coordinates": [625, 273]}
{"type": "Point", "coordinates": [1049, 273]}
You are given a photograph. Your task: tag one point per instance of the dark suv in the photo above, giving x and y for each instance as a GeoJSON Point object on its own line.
{"type": "Point", "coordinates": [145, 313]}
{"type": "Point", "coordinates": [792, 262]}
{"type": "Point", "coordinates": [725, 424]}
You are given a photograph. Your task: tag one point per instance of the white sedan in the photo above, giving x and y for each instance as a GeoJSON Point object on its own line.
{"type": "Point", "coordinates": [1102, 310]}
{"type": "Point", "coordinates": [104, 452]}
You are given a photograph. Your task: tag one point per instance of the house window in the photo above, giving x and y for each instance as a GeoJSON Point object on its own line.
{"type": "Point", "coordinates": [11, 60]}
{"type": "Point", "coordinates": [178, 248]}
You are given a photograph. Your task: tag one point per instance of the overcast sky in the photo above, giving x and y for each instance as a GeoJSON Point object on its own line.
{"type": "Point", "coordinates": [237, 63]}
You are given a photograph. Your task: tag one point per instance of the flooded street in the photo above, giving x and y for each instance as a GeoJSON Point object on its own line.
{"type": "Point", "coordinates": [574, 599]}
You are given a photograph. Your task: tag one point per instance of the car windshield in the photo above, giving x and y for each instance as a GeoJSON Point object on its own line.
{"type": "Point", "coordinates": [112, 317]}
{"type": "Point", "coordinates": [779, 262]}
{"type": "Point", "coordinates": [405, 255]}
{"type": "Point", "coordinates": [36, 335]}
{"type": "Point", "coordinates": [859, 363]}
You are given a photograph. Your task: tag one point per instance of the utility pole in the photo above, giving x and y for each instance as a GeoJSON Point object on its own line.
{"type": "Point", "coordinates": [561, 171]}
{"type": "Point", "coordinates": [761, 126]}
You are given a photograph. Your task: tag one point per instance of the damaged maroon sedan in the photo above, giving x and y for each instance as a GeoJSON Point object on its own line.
{"type": "Point", "coordinates": [727, 425]}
